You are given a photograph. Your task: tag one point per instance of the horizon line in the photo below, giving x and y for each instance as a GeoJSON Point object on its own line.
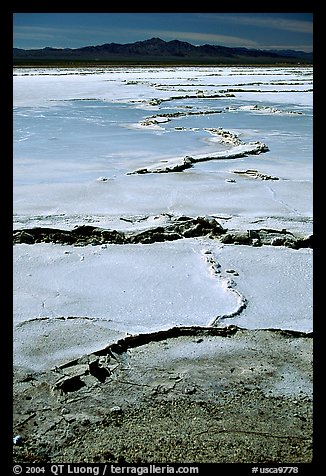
{"type": "Point", "coordinates": [167, 41]}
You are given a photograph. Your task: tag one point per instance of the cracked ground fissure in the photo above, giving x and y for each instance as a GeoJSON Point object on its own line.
{"type": "Point", "coordinates": [183, 395]}
{"type": "Point", "coordinates": [147, 399]}
{"type": "Point", "coordinates": [178, 228]}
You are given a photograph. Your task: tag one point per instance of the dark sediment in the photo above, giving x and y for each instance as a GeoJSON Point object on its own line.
{"type": "Point", "coordinates": [193, 395]}
{"type": "Point", "coordinates": [177, 228]}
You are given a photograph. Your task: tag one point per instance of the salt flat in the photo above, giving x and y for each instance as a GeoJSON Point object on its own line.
{"type": "Point", "coordinates": [105, 293]}
{"type": "Point", "coordinates": [162, 264]}
{"type": "Point", "coordinates": [79, 137]}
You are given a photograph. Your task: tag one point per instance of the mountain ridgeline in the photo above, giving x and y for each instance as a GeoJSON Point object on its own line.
{"type": "Point", "coordinates": [157, 51]}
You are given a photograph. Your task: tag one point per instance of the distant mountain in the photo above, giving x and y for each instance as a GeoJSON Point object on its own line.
{"type": "Point", "coordinates": [156, 50]}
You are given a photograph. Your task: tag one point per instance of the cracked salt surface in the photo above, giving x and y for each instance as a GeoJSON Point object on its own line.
{"type": "Point", "coordinates": [145, 288]}
{"type": "Point", "coordinates": [70, 129]}
{"type": "Point", "coordinates": [129, 288]}
{"type": "Point", "coordinates": [136, 287]}
{"type": "Point", "coordinates": [276, 283]}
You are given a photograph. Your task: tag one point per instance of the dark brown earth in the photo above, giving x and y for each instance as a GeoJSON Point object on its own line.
{"type": "Point", "coordinates": [212, 396]}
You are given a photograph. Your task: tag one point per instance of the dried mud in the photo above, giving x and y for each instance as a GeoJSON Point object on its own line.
{"type": "Point", "coordinates": [199, 395]}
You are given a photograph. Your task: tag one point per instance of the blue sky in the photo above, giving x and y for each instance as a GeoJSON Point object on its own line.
{"type": "Point", "coordinates": [249, 30]}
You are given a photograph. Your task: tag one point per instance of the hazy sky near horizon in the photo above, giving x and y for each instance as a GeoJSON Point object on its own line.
{"type": "Point", "coordinates": [249, 30]}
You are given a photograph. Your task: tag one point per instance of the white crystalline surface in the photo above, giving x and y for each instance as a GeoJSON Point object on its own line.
{"type": "Point", "coordinates": [79, 137]}
{"type": "Point", "coordinates": [137, 287]}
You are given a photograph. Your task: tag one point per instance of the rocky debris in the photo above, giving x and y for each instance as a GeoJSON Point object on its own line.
{"type": "Point", "coordinates": [165, 117]}
{"type": "Point", "coordinates": [214, 266]}
{"type": "Point", "coordinates": [175, 228]}
{"type": "Point", "coordinates": [241, 301]}
{"type": "Point", "coordinates": [80, 235]}
{"type": "Point", "coordinates": [226, 137]}
{"type": "Point", "coordinates": [69, 384]}
{"type": "Point", "coordinates": [122, 345]}
{"type": "Point", "coordinates": [190, 390]}
{"type": "Point", "coordinates": [173, 165]}
{"type": "Point", "coordinates": [232, 271]}
{"type": "Point", "coordinates": [255, 174]}
{"type": "Point", "coordinates": [179, 227]}
{"type": "Point", "coordinates": [269, 109]}
{"type": "Point", "coordinates": [158, 101]}
{"type": "Point", "coordinates": [98, 371]}
{"type": "Point", "coordinates": [23, 236]}
{"type": "Point", "coordinates": [179, 164]}
{"type": "Point", "coordinates": [17, 440]}
{"type": "Point", "coordinates": [267, 236]}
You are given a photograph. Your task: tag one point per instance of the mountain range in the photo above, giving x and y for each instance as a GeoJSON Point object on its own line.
{"type": "Point", "coordinates": [156, 50]}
